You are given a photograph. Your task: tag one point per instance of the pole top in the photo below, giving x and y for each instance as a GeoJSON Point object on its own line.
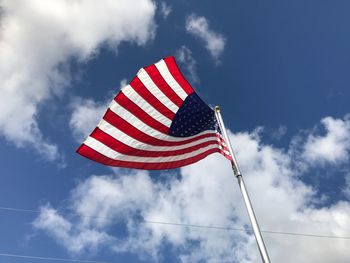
{"type": "Point", "coordinates": [217, 108]}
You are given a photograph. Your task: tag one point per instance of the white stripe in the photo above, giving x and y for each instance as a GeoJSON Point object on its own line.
{"type": "Point", "coordinates": [168, 77]}
{"type": "Point", "coordinates": [143, 104]}
{"type": "Point", "coordinates": [222, 144]}
{"type": "Point", "coordinates": [130, 141]}
{"type": "Point", "coordinates": [110, 153]}
{"type": "Point", "coordinates": [225, 151]}
{"type": "Point", "coordinates": [149, 84]}
{"type": "Point", "coordinates": [140, 125]}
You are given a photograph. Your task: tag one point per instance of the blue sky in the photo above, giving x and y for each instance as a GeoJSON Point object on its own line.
{"type": "Point", "coordinates": [279, 70]}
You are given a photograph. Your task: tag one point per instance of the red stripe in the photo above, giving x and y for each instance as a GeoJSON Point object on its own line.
{"type": "Point", "coordinates": [127, 150]}
{"type": "Point", "coordinates": [98, 157]}
{"type": "Point", "coordinates": [224, 147]}
{"type": "Point", "coordinates": [229, 157]}
{"type": "Point", "coordinates": [132, 107]}
{"type": "Point", "coordinates": [135, 133]}
{"type": "Point", "coordinates": [138, 86]}
{"type": "Point", "coordinates": [175, 71]}
{"type": "Point", "coordinates": [163, 85]}
{"type": "Point", "coordinates": [221, 140]}
{"type": "Point", "coordinates": [218, 135]}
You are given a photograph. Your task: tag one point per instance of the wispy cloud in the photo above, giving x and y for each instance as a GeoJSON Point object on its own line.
{"type": "Point", "coordinates": [165, 9]}
{"type": "Point", "coordinates": [346, 188]}
{"type": "Point", "coordinates": [185, 57]}
{"type": "Point", "coordinates": [199, 27]}
{"type": "Point", "coordinates": [206, 194]}
{"type": "Point", "coordinates": [38, 38]}
{"type": "Point", "coordinates": [278, 133]}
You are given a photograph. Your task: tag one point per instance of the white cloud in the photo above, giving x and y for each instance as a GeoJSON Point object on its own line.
{"type": "Point", "coordinates": [334, 146]}
{"type": "Point", "coordinates": [278, 133]}
{"type": "Point", "coordinates": [38, 38]}
{"type": "Point", "coordinates": [199, 27]}
{"type": "Point", "coordinates": [346, 189]}
{"type": "Point", "coordinates": [85, 117]}
{"type": "Point", "coordinates": [206, 193]}
{"type": "Point", "coordinates": [87, 113]}
{"type": "Point", "coordinates": [123, 83]}
{"type": "Point", "coordinates": [184, 56]}
{"type": "Point", "coordinates": [165, 9]}
{"type": "Point", "coordinates": [63, 231]}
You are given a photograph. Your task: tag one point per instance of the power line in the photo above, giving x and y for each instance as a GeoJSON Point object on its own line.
{"type": "Point", "coordinates": [50, 258]}
{"type": "Point", "coordinates": [247, 230]}
{"type": "Point", "coordinates": [18, 209]}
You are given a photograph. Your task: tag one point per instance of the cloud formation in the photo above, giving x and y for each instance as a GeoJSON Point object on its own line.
{"type": "Point", "coordinates": [199, 27]}
{"type": "Point", "coordinates": [39, 38]}
{"type": "Point", "coordinates": [185, 57]}
{"type": "Point", "coordinates": [64, 232]}
{"type": "Point", "coordinates": [165, 10]}
{"type": "Point", "coordinates": [206, 193]}
{"type": "Point", "coordinates": [85, 116]}
{"type": "Point", "coordinates": [87, 113]}
{"type": "Point", "coordinates": [334, 146]}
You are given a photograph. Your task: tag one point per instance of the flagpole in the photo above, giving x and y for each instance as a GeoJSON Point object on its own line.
{"type": "Point", "coordinates": [236, 171]}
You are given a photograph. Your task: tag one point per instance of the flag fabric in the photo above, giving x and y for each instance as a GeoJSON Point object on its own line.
{"type": "Point", "coordinates": [155, 122]}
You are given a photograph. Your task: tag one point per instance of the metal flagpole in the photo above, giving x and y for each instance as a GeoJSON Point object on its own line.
{"type": "Point", "coordinates": [259, 240]}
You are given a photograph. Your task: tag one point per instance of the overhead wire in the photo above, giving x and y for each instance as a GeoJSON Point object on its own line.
{"type": "Point", "coordinates": [50, 258]}
{"type": "Point", "coordinates": [247, 230]}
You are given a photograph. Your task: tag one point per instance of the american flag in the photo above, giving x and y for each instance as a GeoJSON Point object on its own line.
{"type": "Point", "coordinates": [155, 122]}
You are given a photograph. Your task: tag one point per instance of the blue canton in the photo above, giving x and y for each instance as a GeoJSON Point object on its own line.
{"type": "Point", "coordinates": [193, 117]}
